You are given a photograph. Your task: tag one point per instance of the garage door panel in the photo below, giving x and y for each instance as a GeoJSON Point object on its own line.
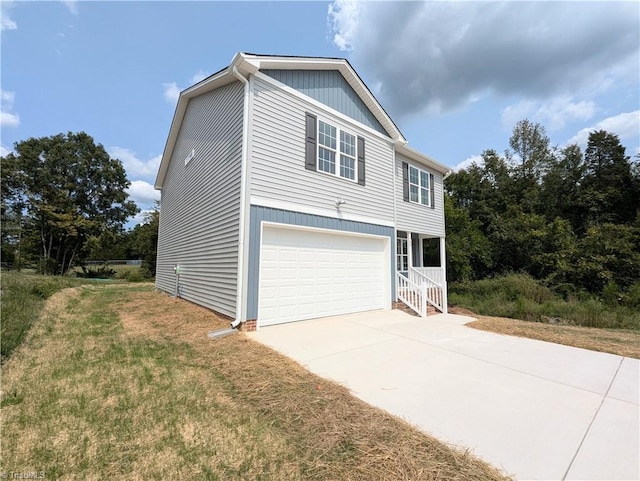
{"type": "Point", "coordinates": [306, 274]}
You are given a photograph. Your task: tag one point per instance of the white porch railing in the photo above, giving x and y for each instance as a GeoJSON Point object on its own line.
{"type": "Point", "coordinates": [424, 288]}
{"type": "Point", "coordinates": [436, 274]}
{"type": "Point", "coordinates": [412, 294]}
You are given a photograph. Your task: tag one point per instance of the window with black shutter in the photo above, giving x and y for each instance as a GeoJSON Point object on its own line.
{"type": "Point", "coordinates": [334, 150]}
{"type": "Point", "coordinates": [417, 186]}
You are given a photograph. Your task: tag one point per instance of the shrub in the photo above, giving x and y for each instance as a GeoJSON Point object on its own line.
{"type": "Point", "coordinates": [632, 297]}
{"type": "Point", "coordinates": [521, 297]}
{"type": "Point", "coordinates": [134, 275]}
{"type": "Point", "coordinates": [102, 272]}
{"type": "Point", "coordinates": [610, 294]}
{"type": "Point", "coordinates": [509, 287]}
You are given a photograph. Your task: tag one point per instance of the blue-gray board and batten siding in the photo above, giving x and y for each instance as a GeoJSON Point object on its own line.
{"type": "Point", "coordinates": [258, 214]}
{"type": "Point", "coordinates": [330, 88]}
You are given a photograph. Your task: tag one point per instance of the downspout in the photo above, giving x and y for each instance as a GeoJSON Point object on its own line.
{"type": "Point", "coordinates": [243, 189]}
{"type": "Point", "coordinates": [443, 258]}
{"type": "Point", "coordinates": [393, 247]}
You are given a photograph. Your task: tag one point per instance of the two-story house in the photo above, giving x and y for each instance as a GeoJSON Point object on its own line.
{"type": "Point", "coordinates": [288, 194]}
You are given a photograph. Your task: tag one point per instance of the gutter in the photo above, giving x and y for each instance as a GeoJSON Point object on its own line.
{"type": "Point", "coordinates": [243, 190]}
{"type": "Point", "coordinates": [444, 177]}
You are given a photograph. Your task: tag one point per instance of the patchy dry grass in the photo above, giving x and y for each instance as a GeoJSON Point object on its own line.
{"type": "Point", "coordinates": [119, 380]}
{"type": "Point", "coordinates": [622, 342]}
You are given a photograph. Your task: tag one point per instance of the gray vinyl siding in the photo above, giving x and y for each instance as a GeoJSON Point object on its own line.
{"type": "Point", "coordinates": [330, 88]}
{"type": "Point", "coordinates": [200, 205]}
{"type": "Point", "coordinates": [258, 214]}
{"type": "Point", "coordinates": [278, 159]}
{"type": "Point", "coordinates": [415, 217]}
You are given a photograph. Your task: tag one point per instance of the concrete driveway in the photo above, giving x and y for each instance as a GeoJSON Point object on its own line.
{"type": "Point", "coordinates": [534, 409]}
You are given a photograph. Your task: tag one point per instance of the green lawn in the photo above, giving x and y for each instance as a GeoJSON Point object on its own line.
{"type": "Point", "coordinates": [119, 381]}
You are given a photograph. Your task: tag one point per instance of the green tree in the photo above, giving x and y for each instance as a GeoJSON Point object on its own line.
{"type": "Point", "coordinates": [555, 214]}
{"type": "Point", "coordinates": [69, 190]}
{"type": "Point", "coordinates": [530, 156]}
{"type": "Point", "coordinates": [468, 250]}
{"type": "Point", "coordinates": [484, 189]}
{"type": "Point", "coordinates": [530, 144]}
{"type": "Point", "coordinates": [561, 187]}
{"type": "Point", "coordinates": [144, 240]}
{"type": "Point", "coordinates": [516, 238]}
{"type": "Point", "coordinates": [607, 253]}
{"type": "Point", "coordinates": [553, 262]}
{"type": "Point", "coordinates": [609, 192]}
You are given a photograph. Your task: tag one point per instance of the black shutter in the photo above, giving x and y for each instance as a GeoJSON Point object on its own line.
{"type": "Point", "coordinates": [433, 194]}
{"type": "Point", "coordinates": [311, 141]}
{"type": "Point", "coordinates": [360, 160]}
{"type": "Point", "coordinates": [405, 181]}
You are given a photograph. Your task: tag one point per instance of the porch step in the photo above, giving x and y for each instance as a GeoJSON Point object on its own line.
{"type": "Point", "coordinates": [403, 307]}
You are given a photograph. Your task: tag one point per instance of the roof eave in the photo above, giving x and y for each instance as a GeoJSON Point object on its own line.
{"type": "Point", "coordinates": [424, 159]}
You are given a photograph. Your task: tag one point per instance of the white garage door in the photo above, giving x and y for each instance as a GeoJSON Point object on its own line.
{"type": "Point", "coordinates": [305, 274]}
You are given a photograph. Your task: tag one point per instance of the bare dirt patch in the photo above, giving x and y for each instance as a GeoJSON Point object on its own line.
{"type": "Point", "coordinates": [156, 315]}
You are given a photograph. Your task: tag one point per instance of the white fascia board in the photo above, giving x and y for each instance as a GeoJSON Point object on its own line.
{"type": "Point", "coordinates": [299, 63]}
{"type": "Point", "coordinates": [424, 159]}
{"type": "Point", "coordinates": [222, 78]}
{"type": "Point", "coordinates": [333, 214]}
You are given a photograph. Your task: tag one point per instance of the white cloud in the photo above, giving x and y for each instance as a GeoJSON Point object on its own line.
{"type": "Point", "coordinates": [172, 91]}
{"type": "Point", "coordinates": [72, 5]}
{"type": "Point", "coordinates": [134, 166]}
{"type": "Point", "coordinates": [140, 217]}
{"type": "Point", "coordinates": [625, 125]}
{"type": "Point", "coordinates": [437, 56]}
{"type": "Point", "coordinates": [6, 23]}
{"type": "Point", "coordinates": [7, 118]}
{"type": "Point", "coordinates": [466, 163]}
{"type": "Point", "coordinates": [4, 151]}
{"type": "Point", "coordinates": [199, 75]}
{"type": "Point", "coordinates": [553, 114]}
{"type": "Point", "coordinates": [143, 193]}
{"type": "Point", "coordinates": [6, 99]}
{"type": "Point", "coordinates": [343, 19]}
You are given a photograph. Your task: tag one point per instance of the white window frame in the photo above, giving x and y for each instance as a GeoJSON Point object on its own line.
{"type": "Point", "coordinates": [419, 186]}
{"type": "Point", "coordinates": [337, 151]}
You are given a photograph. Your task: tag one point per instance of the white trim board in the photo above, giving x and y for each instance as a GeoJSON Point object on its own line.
{"type": "Point", "coordinates": [334, 214]}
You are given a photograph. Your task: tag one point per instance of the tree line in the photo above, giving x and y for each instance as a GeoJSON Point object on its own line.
{"type": "Point", "coordinates": [63, 202]}
{"type": "Point", "coordinates": [566, 217]}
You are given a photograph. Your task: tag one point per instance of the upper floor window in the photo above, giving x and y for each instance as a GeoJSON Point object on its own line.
{"type": "Point", "coordinates": [334, 150]}
{"type": "Point", "coordinates": [419, 188]}
{"type": "Point", "coordinates": [417, 185]}
{"type": "Point", "coordinates": [337, 158]}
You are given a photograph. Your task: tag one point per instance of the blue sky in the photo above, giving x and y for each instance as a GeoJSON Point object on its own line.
{"type": "Point", "coordinates": [454, 76]}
